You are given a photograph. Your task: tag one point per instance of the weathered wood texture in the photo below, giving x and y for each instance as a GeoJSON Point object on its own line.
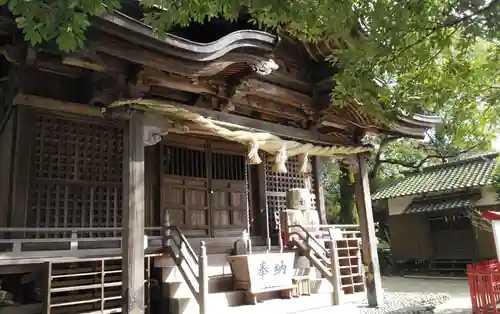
{"type": "Point", "coordinates": [373, 279]}
{"type": "Point", "coordinates": [7, 142]}
{"type": "Point", "coordinates": [485, 244]}
{"type": "Point", "coordinates": [75, 172]}
{"type": "Point", "coordinates": [133, 227]}
{"type": "Point", "coordinates": [416, 243]}
{"type": "Point", "coordinates": [317, 172]}
{"type": "Point", "coordinates": [152, 186]}
{"type": "Point", "coordinates": [21, 178]}
{"type": "Point", "coordinates": [203, 186]}
{"type": "Point", "coordinates": [252, 124]}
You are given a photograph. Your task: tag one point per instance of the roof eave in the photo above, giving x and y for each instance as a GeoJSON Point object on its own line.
{"type": "Point", "coordinates": [130, 29]}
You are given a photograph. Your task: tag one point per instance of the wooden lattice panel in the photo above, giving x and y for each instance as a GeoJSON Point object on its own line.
{"type": "Point", "coordinates": [76, 150]}
{"type": "Point", "coordinates": [278, 183]}
{"type": "Point", "coordinates": [75, 174]}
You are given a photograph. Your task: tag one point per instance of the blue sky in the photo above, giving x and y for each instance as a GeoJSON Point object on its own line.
{"type": "Point", "coordinates": [496, 143]}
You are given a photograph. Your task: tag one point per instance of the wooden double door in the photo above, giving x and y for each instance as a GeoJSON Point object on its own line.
{"type": "Point", "coordinates": [203, 184]}
{"type": "Point", "coordinates": [452, 237]}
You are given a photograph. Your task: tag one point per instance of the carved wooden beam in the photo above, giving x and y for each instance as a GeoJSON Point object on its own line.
{"type": "Point", "coordinates": [233, 86]}
{"type": "Point", "coordinates": [42, 61]}
{"type": "Point", "coordinates": [276, 93]}
{"type": "Point", "coordinates": [259, 125]}
{"type": "Point", "coordinates": [269, 107]}
{"type": "Point", "coordinates": [256, 125]}
{"type": "Point", "coordinates": [225, 96]}
{"type": "Point", "coordinates": [56, 105]}
{"type": "Point", "coordinates": [153, 77]}
{"type": "Point", "coordinates": [320, 110]}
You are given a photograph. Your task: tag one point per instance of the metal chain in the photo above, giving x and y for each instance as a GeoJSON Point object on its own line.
{"type": "Point", "coordinates": [248, 206]}
{"type": "Point", "coordinates": [268, 237]}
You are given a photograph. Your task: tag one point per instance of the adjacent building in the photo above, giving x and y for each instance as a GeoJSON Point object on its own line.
{"type": "Point", "coordinates": [434, 215]}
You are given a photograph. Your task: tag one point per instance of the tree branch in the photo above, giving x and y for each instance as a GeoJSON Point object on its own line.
{"type": "Point", "coordinates": [465, 18]}
{"type": "Point", "coordinates": [376, 164]}
{"type": "Point", "coordinates": [405, 164]}
{"type": "Point", "coordinates": [418, 165]}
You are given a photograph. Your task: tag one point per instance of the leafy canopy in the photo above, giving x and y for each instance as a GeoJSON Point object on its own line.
{"type": "Point", "coordinates": [398, 56]}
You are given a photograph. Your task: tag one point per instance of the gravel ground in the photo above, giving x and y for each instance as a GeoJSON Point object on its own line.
{"type": "Point", "coordinates": [406, 303]}
{"type": "Point", "coordinates": [411, 296]}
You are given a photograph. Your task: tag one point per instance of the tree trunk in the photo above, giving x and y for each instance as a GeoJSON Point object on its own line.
{"type": "Point", "coordinates": [348, 214]}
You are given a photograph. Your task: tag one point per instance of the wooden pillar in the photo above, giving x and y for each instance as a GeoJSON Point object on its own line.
{"type": "Point", "coordinates": [373, 280]}
{"type": "Point", "coordinates": [21, 173]}
{"type": "Point", "coordinates": [262, 202]}
{"type": "Point", "coordinates": [133, 211]}
{"type": "Point", "coordinates": [317, 169]}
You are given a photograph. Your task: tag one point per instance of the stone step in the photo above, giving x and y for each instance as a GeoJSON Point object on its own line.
{"type": "Point", "coordinates": [174, 274]}
{"type": "Point", "coordinates": [321, 285]}
{"type": "Point", "coordinates": [216, 284]}
{"type": "Point", "coordinates": [230, 303]}
{"type": "Point", "coordinates": [301, 305]}
{"type": "Point", "coordinates": [217, 264]}
{"type": "Point", "coordinates": [217, 303]}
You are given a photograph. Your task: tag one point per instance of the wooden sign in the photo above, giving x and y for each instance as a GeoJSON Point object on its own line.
{"type": "Point", "coordinates": [272, 271]}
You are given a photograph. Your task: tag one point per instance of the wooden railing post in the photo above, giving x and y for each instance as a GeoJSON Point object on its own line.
{"type": "Point", "coordinates": [203, 278]}
{"type": "Point", "coordinates": [166, 229]}
{"type": "Point", "coordinates": [334, 268]}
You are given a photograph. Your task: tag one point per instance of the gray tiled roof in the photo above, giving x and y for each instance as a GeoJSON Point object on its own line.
{"type": "Point", "coordinates": [419, 206]}
{"type": "Point", "coordinates": [467, 173]}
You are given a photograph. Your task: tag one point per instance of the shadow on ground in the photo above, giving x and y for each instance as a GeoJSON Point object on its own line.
{"type": "Point", "coordinates": [459, 302]}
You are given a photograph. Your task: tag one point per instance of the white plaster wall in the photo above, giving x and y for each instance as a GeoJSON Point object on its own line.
{"type": "Point", "coordinates": [398, 204]}
{"type": "Point", "coordinates": [488, 197]}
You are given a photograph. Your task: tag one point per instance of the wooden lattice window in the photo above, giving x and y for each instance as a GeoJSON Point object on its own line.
{"type": "Point", "coordinates": [278, 183]}
{"type": "Point", "coordinates": [75, 174]}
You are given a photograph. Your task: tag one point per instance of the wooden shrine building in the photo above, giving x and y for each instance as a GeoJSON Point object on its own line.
{"type": "Point", "coordinates": [134, 140]}
{"type": "Point", "coordinates": [435, 215]}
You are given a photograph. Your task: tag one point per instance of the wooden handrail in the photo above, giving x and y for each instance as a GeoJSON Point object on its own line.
{"type": "Point", "coordinates": [331, 273]}
{"type": "Point", "coordinates": [308, 236]}
{"type": "Point", "coordinates": [183, 240]}
{"type": "Point", "coordinates": [69, 229]}
{"type": "Point", "coordinates": [200, 294]}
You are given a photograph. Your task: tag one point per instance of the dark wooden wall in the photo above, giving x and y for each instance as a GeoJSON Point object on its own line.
{"type": "Point", "coordinates": [410, 237]}
{"type": "Point", "coordinates": [7, 138]}
{"type": "Point", "coordinates": [485, 244]}
{"type": "Point", "coordinates": [413, 239]}
{"type": "Point", "coordinates": [153, 187]}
